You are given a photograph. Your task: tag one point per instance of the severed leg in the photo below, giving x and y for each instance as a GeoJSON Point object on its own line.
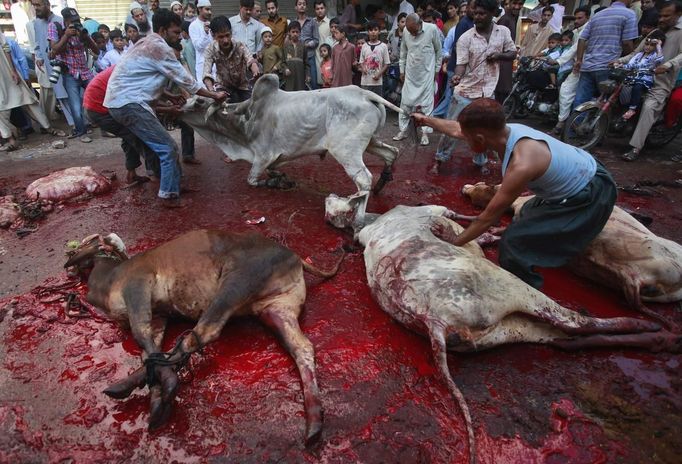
{"type": "Point", "coordinates": [283, 320]}
{"type": "Point", "coordinates": [657, 341]}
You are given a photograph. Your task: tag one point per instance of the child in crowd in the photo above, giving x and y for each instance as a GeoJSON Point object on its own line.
{"type": "Point", "coordinates": [549, 55]}
{"type": "Point", "coordinates": [114, 56]}
{"type": "Point", "coordinates": [343, 57]}
{"type": "Point", "coordinates": [360, 40]}
{"type": "Point", "coordinates": [190, 12]}
{"type": "Point", "coordinates": [326, 65]}
{"type": "Point", "coordinates": [189, 55]}
{"type": "Point", "coordinates": [333, 27]}
{"type": "Point", "coordinates": [272, 56]}
{"type": "Point", "coordinates": [644, 63]}
{"type": "Point", "coordinates": [296, 66]}
{"type": "Point", "coordinates": [565, 69]}
{"type": "Point", "coordinates": [132, 35]}
{"type": "Point", "coordinates": [374, 61]}
{"type": "Point", "coordinates": [105, 31]}
{"type": "Point", "coordinates": [102, 47]}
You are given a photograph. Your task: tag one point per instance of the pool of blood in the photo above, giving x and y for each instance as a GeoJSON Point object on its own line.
{"type": "Point", "coordinates": [240, 399]}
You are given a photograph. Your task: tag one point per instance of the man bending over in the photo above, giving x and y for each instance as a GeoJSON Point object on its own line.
{"type": "Point", "coordinates": [575, 194]}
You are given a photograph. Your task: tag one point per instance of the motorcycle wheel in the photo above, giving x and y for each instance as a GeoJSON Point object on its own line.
{"type": "Point", "coordinates": [660, 135]}
{"type": "Point", "coordinates": [577, 128]}
{"type": "Point", "coordinates": [510, 106]}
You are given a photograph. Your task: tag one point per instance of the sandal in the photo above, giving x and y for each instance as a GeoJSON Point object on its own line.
{"type": "Point", "coordinates": [55, 132]}
{"type": "Point", "coordinates": [676, 158]}
{"type": "Point", "coordinates": [632, 155]}
{"type": "Point", "coordinates": [9, 147]}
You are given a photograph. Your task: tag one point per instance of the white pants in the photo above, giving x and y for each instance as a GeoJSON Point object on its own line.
{"type": "Point", "coordinates": [33, 110]}
{"type": "Point", "coordinates": [567, 95]}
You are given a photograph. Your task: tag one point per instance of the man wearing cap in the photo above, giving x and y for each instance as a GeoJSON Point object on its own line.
{"type": "Point", "coordinates": [245, 29]}
{"type": "Point", "coordinates": [140, 19]}
{"type": "Point", "coordinates": [68, 45]}
{"type": "Point", "coordinates": [276, 23]}
{"type": "Point", "coordinates": [137, 80]}
{"type": "Point", "coordinates": [200, 35]}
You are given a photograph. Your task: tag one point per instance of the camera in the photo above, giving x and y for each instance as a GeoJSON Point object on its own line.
{"type": "Point", "coordinates": [58, 67]}
{"type": "Point", "coordinates": [77, 25]}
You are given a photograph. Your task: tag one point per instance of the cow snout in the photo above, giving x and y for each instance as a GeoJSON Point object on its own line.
{"type": "Point", "coordinates": [199, 102]}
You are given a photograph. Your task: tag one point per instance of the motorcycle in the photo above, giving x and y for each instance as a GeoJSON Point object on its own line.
{"type": "Point", "coordinates": [529, 93]}
{"type": "Point", "coordinates": [590, 122]}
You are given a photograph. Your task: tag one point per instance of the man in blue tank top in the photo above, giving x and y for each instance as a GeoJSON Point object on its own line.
{"type": "Point", "coordinates": [574, 193]}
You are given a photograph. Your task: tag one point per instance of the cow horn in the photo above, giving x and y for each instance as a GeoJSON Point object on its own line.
{"type": "Point", "coordinates": [119, 248]}
{"type": "Point", "coordinates": [89, 246]}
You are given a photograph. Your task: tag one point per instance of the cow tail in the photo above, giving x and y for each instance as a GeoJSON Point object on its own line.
{"type": "Point", "coordinates": [437, 336]}
{"type": "Point", "coordinates": [319, 272]}
{"type": "Point", "coordinates": [382, 101]}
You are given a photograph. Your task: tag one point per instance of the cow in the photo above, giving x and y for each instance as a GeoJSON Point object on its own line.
{"type": "Point", "coordinates": [625, 256]}
{"type": "Point", "coordinates": [207, 276]}
{"type": "Point", "coordinates": [275, 127]}
{"type": "Point", "coordinates": [464, 302]}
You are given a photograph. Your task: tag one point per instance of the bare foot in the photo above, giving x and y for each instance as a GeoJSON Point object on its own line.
{"type": "Point", "coordinates": [171, 203]}
{"type": "Point", "coordinates": [628, 114]}
{"type": "Point", "coordinates": [132, 178]}
{"type": "Point", "coordinates": [191, 161]}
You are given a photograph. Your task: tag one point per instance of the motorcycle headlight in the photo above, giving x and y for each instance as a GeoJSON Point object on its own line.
{"type": "Point", "coordinates": [607, 87]}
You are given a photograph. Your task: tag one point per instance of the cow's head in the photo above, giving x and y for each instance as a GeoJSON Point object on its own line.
{"type": "Point", "coordinates": [341, 212]}
{"type": "Point", "coordinates": [81, 257]}
{"type": "Point", "coordinates": [480, 193]}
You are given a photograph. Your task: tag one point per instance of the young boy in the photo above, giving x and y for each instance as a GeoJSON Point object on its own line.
{"type": "Point", "coordinates": [565, 69]}
{"type": "Point", "coordinates": [102, 47]}
{"type": "Point", "coordinates": [326, 65]}
{"type": "Point", "coordinates": [113, 56]}
{"type": "Point", "coordinates": [189, 55]}
{"type": "Point", "coordinates": [231, 60]}
{"type": "Point", "coordinates": [374, 60]}
{"type": "Point", "coordinates": [296, 71]}
{"type": "Point", "coordinates": [132, 35]}
{"type": "Point", "coordinates": [105, 31]}
{"type": "Point", "coordinates": [343, 57]}
{"type": "Point", "coordinates": [644, 63]}
{"type": "Point", "coordinates": [552, 52]}
{"type": "Point", "coordinates": [272, 56]}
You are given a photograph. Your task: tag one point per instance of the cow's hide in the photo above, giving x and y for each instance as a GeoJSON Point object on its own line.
{"type": "Point", "coordinates": [68, 183]}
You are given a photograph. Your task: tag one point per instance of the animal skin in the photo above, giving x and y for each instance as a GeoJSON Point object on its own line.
{"type": "Point", "coordinates": [275, 127]}
{"type": "Point", "coordinates": [9, 211]}
{"type": "Point", "coordinates": [463, 302]}
{"type": "Point", "coordinates": [625, 256]}
{"type": "Point", "coordinates": [68, 183]}
{"type": "Point", "coordinates": [207, 276]}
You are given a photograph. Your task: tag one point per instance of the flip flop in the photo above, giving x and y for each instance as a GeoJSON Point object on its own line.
{"type": "Point", "coordinates": [9, 147]}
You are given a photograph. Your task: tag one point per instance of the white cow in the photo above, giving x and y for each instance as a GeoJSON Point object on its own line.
{"type": "Point", "coordinates": [464, 302]}
{"type": "Point", "coordinates": [275, 127]}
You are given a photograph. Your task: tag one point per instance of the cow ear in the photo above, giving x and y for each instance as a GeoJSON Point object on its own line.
{"type": "Point", "coordinates": [264, 86]}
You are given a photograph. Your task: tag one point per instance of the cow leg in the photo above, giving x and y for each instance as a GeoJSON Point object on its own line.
{"type": "Point", "coordinates": [355, 168]}
{"type": "Point", "coordinates": [257, 169]}
{"type": "Point", "coordinates": [389, 154]}
{"type": "Point", "coordinates": [283, 320]}
{"type": "Point", "coordinates": [632, 290]}
{"type": "Point", "coordinates": [123, 388]}
{"type": "Point", "coordinates": [657, 341]}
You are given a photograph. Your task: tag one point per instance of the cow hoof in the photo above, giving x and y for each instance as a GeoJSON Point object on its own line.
{"type": "Point", "coordinates": [313, 433]}
{"type": "Point", "coordinates": [125, 387]}
{"type": "Point", "coordinates": [159, 410]}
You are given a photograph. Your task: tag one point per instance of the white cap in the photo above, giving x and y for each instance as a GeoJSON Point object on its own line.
{"type": "Point", "coordinates": [174, 3]}
{"type": "Point", "coordinates": [264, 30]}
{"type": "Point", "coordinates": [202, 3]}
{"type": "Point", "coordinates": [135, 6]}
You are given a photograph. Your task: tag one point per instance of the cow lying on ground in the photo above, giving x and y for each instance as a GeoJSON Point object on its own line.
{"type": "Point", "coordinates": [275, 127]}
{"type": "Point", "coordinates": [463, 302]}
{"type": "Point", "coordinates": [625, 256]}
{"type": "Point", "coordinates": [208, 276]}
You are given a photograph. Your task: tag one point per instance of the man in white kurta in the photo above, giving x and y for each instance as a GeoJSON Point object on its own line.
{"type": "Point", "coordinates": [200, 36]}
{"type": "Point", "coordinates": [420, 60]}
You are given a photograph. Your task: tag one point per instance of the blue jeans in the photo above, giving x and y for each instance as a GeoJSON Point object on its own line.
{"type": "Point", "coordinates": [75, 87]}
{"type": "Point", "coordinates": [149, 129]}
{"type": "Point", "coordinates": [447, 145]}
{"type": "Point", "coordinates": [588, 85]}
{"type": "Point", "coordinates": [441, 110]}
{"type": "Point", "coordinates": [313, 71]}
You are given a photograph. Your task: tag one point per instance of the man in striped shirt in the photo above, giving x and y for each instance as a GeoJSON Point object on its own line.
{"type": "Point", "coordinates": [606, 37]}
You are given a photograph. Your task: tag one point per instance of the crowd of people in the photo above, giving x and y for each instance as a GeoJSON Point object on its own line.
{"type": "Point", "coordinates": [433, 58]}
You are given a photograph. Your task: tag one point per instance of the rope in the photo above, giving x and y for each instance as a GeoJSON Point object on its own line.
{"type": "Point", "coordinates": [166, 359]}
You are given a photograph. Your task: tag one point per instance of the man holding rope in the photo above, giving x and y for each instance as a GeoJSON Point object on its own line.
{"type": "Point", "coordinates": [479, 53]}
{"type": "Point", "coordinates": [574, 193]}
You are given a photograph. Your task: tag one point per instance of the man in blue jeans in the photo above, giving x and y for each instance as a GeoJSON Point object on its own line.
{"type": "Point", "coordinates": [139, 79]}
{"type": "Point", "coordinates": [607, 36]}
{"type": "Point", "coordinates": [69, 46]}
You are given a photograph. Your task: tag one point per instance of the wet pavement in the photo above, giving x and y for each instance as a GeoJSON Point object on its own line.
{"type": "Point", "coordinates": [241, 399]}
